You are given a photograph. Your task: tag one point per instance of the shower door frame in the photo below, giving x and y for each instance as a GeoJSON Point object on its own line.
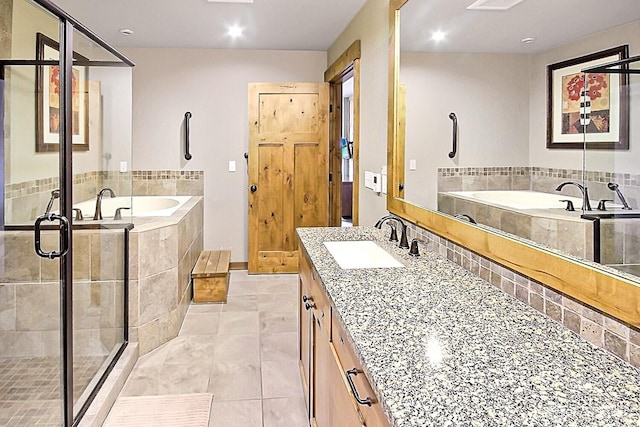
{"type": "Point", "coordinates": [67, 25]}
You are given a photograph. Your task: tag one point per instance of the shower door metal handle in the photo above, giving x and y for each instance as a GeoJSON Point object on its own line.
{"type": "Point", "coordinates": [187, 154]}
{"type": "Point", "coordinates": [65, 231]}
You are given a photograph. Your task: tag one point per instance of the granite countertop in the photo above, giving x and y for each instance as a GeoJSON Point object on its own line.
{"type": "Point", "coordinates": [442, 347]}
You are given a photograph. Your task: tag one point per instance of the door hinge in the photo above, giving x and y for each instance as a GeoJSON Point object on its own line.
{"type": "Point", "coordinates": [330, 177]}
{"type": "Point", "coordinates": [331, 108]}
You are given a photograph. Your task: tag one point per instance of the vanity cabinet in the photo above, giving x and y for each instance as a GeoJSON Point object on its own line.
{"type": "Point", "coordinates": [329, 367]}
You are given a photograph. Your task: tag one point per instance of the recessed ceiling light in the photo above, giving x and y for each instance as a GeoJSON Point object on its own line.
{"type": "Point", "coordinates": [437, 36]}
{"type": "Point", "coordinates": [234, 31]}
{"type": "Point", "coordinates": [493, 4]}
{"type": "Point", "coordinates": [126, 31]}
{"type": "Point", "coordinates": [528, 40]}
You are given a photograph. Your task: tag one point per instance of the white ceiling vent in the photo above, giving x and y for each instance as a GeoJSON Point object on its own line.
{"type": "Point", "coordinates": [493, 4]}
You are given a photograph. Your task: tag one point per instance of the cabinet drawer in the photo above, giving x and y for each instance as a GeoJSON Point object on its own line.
{"type": "Point", "coordinates": [373, 415]}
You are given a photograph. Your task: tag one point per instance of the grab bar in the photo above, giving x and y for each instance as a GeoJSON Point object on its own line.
{"type": "Point", "coordinates": [187, 116]}
{"type": "Point", "coordinates": [453, 117]}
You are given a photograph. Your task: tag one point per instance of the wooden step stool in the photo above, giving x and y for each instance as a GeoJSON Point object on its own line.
{"type": "Point", "coordinates": [211, 277]}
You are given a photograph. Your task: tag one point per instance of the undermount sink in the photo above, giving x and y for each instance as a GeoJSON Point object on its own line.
{"type": "Point", "coordinates": [361, 254]}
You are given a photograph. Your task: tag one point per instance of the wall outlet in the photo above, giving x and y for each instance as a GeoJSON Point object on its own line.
{"type": "Point", "coordinates": [124, 167]}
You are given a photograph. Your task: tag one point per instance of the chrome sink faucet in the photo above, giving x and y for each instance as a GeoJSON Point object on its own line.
{"type": "Point", "coordinates": [98, 214]}
{"type": "Point", "coordinates": [585, 195]}
{"type": "Point", "coordinates": [404, 243]}
{"type": "Point", "coordinates": [55, 194]}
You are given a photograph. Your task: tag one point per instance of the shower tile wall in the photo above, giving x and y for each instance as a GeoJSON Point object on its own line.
{"type": "Point", "coordinates": [30, 291]}
{"type": "Point", "coordinates": [24, 201]}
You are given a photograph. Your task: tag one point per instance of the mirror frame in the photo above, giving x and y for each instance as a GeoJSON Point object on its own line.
{"type": "Point", "coordinates": [613, 295]}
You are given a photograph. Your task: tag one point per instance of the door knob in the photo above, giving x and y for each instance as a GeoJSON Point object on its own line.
{"type": "Point", "coordinates": [254, 188]}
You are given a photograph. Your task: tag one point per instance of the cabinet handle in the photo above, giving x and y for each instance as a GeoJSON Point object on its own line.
{"type": "Point", "coordinates": [306, 298]}
{"type": "Point", "coordinates": [309, 305]}
{"type": "Point", "coordinates": [361, 401]}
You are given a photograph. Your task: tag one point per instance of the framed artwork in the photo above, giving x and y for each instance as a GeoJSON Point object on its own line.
{"type": "Point", "coordinates": [591, 108]}
{"type": "Point", "coordinates": [48, 99]}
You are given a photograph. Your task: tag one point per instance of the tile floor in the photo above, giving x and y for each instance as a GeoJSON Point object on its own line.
{"type": "Point", "coordinates": [244, 352]}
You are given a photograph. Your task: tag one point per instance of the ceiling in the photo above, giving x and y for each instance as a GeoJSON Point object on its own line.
{"type": "Point", "coordinates": [268, 24]}
{"type": "Point", "coordinates": [315, 24]}
{"type": "Point", "coordinates": [550, 22]}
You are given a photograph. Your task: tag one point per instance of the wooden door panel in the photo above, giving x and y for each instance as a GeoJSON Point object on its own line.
{"type": "Point", "coordinates": [270, 197]}
{"type": "Point", "coordinates": [294, 113]}
{"type": "Point", "coordinates": [309, 164]}
{"type": "Point", "coordinates": [288, 148]}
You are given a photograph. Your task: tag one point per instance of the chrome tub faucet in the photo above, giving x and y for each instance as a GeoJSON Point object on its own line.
{"type": "Point", "coordinates": [615, 187]}
{"type": "Point", "coordinates": [98, 214]}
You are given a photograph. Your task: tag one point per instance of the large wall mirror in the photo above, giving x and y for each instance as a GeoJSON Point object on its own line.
{"type": "Point", "coordinates": [482, 76]}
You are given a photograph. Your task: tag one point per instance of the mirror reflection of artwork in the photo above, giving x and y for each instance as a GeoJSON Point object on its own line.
{"type": "Point", "coordinates": [48, 103]}
{"type": "Point", "coordinates": [585, 103]}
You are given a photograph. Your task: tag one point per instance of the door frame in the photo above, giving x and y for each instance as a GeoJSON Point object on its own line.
{"type": "Point", "coordinates": [345, 67]}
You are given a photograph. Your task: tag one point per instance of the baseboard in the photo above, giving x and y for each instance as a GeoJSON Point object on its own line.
{"type": "Point", "coordinates": [241, 265]}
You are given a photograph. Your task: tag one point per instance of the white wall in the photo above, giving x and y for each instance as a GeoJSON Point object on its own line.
{"type": "Point", "coordinates": [488, 94]}
{"type": "Point", "coordinates": [212, 85]}
{"type": "Point", "coordinates": [371, 27]}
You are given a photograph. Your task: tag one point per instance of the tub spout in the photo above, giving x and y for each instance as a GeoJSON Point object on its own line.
{"type": "Point", "coordinates": [98, 214]}
{"type": "Point", "coordinates": [55, 194]}
{"type": "Point", "coordinates": [585, 195]}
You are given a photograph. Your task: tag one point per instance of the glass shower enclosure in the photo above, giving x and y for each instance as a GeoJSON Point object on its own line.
{"type": "Point", "coordinates": [66, 139]}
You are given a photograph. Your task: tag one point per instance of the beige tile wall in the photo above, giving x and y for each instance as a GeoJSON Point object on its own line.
{"type": "Point", "coordinates": [30, 291]}
{"type": "Point", "coordinates": [161, 260]}
{"type": "Point", "coordinates": [601, 330]}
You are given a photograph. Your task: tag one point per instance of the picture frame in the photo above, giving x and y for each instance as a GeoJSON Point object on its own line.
{"type": "Point", "coordinates": [597, 103]}
{"type": "Point", "coordinates": [48, 100]}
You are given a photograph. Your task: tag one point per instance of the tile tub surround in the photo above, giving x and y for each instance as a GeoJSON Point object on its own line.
{"type": "Point", "coordinates": [557, 228]}
{"type": "Point", "coordinates": [441, 345]}
{"type": "Point", "coordinates": [162, 253]}
{"type": "Point", "coordinates": [24, 201]}
{"type": "Point", "coordinates": [539, 179]}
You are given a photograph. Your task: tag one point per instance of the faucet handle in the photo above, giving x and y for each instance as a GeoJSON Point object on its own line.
{"type": "Point", "coordinates": [414, 248]}
{"type": "Point", "coordinates": [118, 214]}
{"type": "Point", "coordinates": [77, 214]}
{"type": "Point", "coordinates": [569, 207]}
{"type": "Point", "coordinates": [394, 233]}
{"type": "Point", "coordinates": [602, 204]}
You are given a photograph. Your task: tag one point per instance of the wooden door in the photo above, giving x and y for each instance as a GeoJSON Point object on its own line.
{"type": "Point", "coordinates": [288, 170]}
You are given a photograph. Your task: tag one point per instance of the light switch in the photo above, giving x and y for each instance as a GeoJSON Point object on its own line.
{"type": "Point", "coordinates": [123, 166]}
{"type": "Point", "coordinates": [412, 164]}
{"type": "Point", "coordinates": [232, 165]}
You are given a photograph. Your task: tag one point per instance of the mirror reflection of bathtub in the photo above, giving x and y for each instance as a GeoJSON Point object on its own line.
{"type": "Point", "coordinates": [538, 216]}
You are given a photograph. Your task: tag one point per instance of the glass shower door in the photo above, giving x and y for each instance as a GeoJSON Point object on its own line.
{"type": "Point", "coordinates": [31, 380]}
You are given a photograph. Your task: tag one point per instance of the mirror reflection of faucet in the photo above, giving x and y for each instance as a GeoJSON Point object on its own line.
{"type": "Point", "coordinates": [615, 187]}
{"type": "Point", "coordinates": [585, 195]}
{"type": "Point", "coordinates": [465, 217]}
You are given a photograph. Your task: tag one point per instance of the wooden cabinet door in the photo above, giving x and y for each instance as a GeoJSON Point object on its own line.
{"type": "Point", "coordinates": [288, 170]}
{"type": "Point", "coordinates": [334, 404]}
